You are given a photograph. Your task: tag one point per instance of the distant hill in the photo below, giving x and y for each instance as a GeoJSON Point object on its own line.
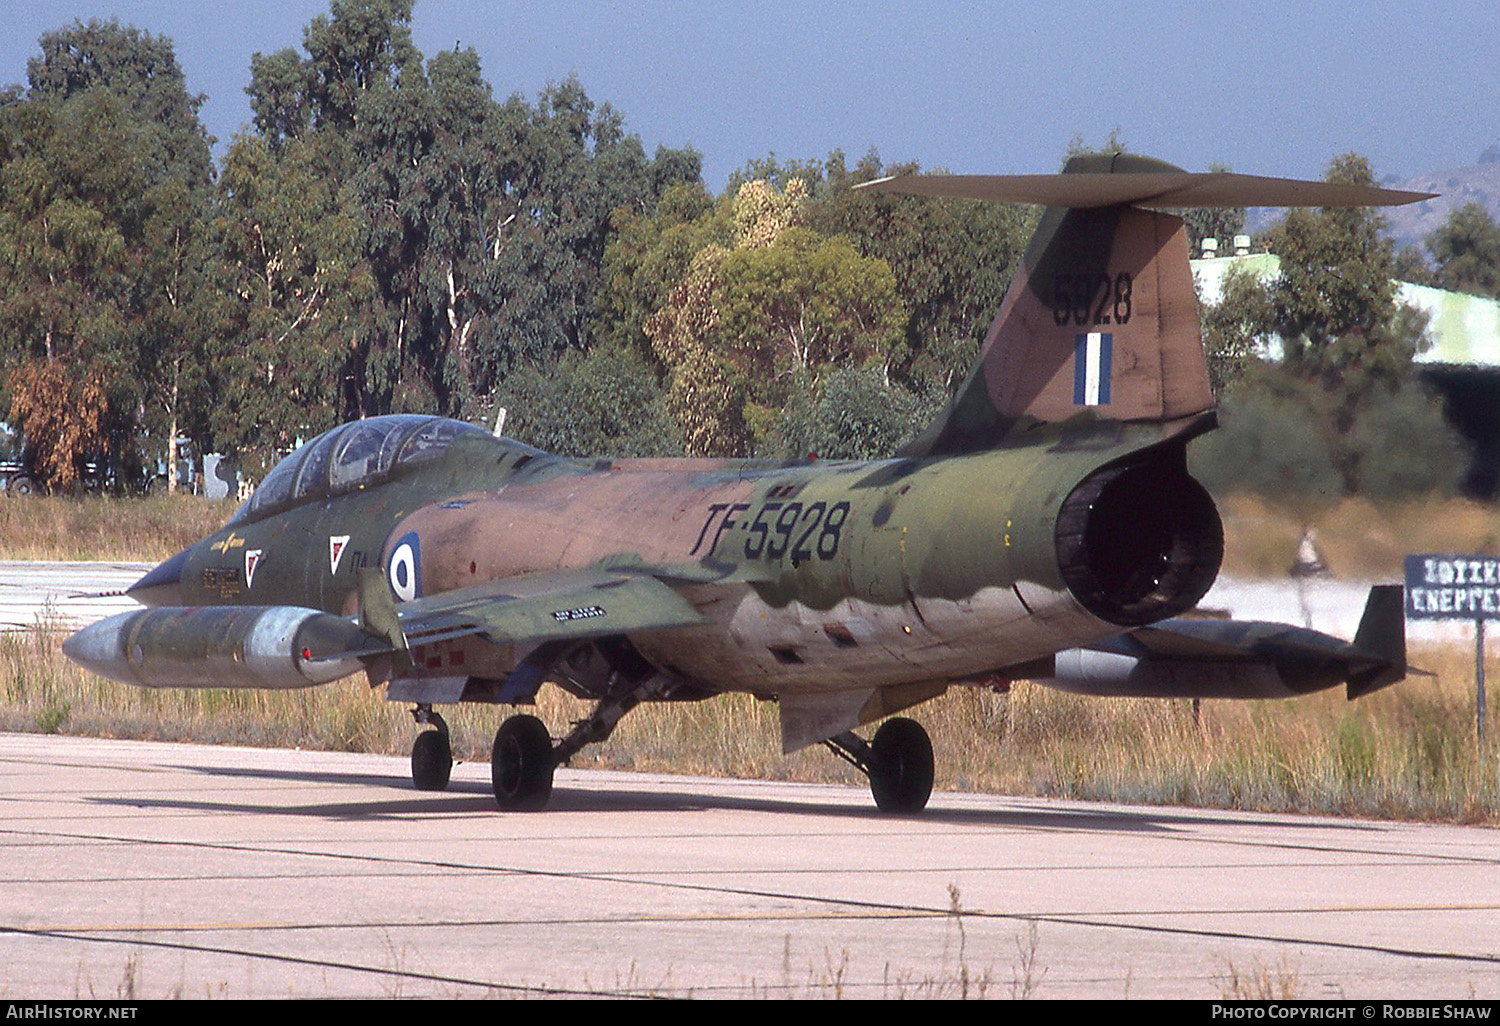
{"type": "Point", "coordinates": [1478, 183]}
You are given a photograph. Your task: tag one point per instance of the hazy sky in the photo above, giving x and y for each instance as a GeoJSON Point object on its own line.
{"type": "Point", "coordinates": [1270, 88]}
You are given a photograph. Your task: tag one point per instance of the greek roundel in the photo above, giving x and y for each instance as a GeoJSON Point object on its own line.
{"type": "Point", "coordinates": [405, 567]}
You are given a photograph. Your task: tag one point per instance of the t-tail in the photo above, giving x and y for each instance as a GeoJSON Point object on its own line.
{"type": "Point", "coordinates": [1101, 320]}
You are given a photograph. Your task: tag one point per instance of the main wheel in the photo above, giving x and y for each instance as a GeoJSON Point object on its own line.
{"type": "Point", "coordinates": [901, 766]}
{"type": "Point", "coordinates": [431, 760]}
{"type": "Point", "coordinates": [521, 764]}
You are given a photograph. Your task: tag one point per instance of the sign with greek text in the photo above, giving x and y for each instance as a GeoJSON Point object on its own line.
{"type": "Point", "coordinates": [1452, 587]}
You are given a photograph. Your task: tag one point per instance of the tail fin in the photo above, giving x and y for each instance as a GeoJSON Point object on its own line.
{"type": "Point", "coordinates": [1101, 317]}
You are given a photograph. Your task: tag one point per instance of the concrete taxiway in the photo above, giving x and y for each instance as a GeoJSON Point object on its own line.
{"type": "Point", "coordinates": [153, 870]}
{"type": "Point", "coordinates": [63, 594]}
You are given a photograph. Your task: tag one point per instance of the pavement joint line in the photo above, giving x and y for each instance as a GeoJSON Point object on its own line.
{"type": "Point", "coordinates": [695, 917]}
{"type": "Point", "coordinates": [272, 956]}
{"type": "Point", "coordinates": [1018, 917]}
{"type": "Point", "coordinates": [600, 920]}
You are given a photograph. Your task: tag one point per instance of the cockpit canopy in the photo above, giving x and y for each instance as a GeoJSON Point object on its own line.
{"type": "Point", "coordinates": [351, 455]}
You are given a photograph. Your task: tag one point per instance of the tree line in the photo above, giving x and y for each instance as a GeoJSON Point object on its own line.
{"type": "Point", "coordinates": [388, 236]}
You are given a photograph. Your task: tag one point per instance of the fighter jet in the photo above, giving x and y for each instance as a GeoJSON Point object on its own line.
{"type": "Point", "coordinates": [1044, 527]}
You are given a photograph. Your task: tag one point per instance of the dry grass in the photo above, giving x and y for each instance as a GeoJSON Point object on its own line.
{"type": "Point", "coordinates": [1261, 982]}
{"type": "Point", "coordinates": [101, 527]}
{"type": "Point", "coordinates": [1408, 752]}
{"type": "Point", "coordinates": [1360, 539]}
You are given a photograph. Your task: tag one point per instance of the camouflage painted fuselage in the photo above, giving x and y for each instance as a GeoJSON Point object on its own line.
{"type": "Point", "coordinates": [810, 575]}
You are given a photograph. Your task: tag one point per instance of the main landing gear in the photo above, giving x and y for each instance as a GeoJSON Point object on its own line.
{"type": "Point", "coordinates": [521, 764]}
{"type": "Point", "coordinates": [524, 758]}
{"type": "Point", "coordinates": [898, 761]}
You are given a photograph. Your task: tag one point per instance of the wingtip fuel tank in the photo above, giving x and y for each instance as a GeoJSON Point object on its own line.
{"type": "Point", "coordinates": [274, 647]}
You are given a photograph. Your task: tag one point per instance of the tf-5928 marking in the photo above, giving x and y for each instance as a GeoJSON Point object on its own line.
{"type": "Point", "coordinates": [816, 527]}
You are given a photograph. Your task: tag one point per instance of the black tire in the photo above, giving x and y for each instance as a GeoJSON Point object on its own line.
{"type": "Point", "coordinates": [521, 764]}
{"type": "Point", "coordinates": [22, 485]}
{"type": "Point", "coordinates": [901, 766]}
{"type": "Point", "coordinates": [431, 761]}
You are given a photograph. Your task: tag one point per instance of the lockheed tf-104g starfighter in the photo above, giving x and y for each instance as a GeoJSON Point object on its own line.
{"type": "Point", "coordinates": [1044, 526]}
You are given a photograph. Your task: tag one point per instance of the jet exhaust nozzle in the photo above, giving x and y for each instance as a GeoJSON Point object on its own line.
{"type": "Point", "coordinates": [1139, 542]}
{"type": "Point", "coordinates": [274, 647]}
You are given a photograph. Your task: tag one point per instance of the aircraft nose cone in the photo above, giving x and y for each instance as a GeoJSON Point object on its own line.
{"type": "Point", "coordinates": [162, 584]}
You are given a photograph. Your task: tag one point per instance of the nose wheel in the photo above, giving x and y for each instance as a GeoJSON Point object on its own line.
{"type": "Point", "coordinates": [431, 753]}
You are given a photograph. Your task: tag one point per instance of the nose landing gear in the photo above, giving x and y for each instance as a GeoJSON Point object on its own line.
{"type": "Point", "coordinates": [431, 754]}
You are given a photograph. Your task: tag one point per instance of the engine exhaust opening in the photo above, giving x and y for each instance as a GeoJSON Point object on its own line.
{"type": "Point", "coordinates": [1139, 542]}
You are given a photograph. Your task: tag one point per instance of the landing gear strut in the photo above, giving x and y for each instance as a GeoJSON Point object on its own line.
{"type": "Point", "coordinates": [898, 761]}
{"type": "Point", "coordinates": [431, 754]}
{"type": "Point", "coordinates": [524, 757]}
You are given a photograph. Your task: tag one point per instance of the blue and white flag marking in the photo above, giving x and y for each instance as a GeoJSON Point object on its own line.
{"type": "Point", "coordinates": [1091, 362]}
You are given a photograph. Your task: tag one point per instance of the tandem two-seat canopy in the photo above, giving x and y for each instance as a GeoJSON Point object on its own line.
{"type": "Point", "coordinates": [352, 455]}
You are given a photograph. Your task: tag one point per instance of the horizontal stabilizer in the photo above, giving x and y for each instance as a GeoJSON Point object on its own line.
{"type": "Point", "coordinates": [1151, 189]}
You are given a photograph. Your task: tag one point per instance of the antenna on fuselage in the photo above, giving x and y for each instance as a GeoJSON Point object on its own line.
{"type": "Point", "coordinates": [499, 421]}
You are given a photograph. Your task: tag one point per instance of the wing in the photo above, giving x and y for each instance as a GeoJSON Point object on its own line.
{"type": "Point", "coordinates": [294, 647]}
{"type": "Point", "coordinates": [552, 606]}
{"type": "Point", "coordinates": [559, 605]}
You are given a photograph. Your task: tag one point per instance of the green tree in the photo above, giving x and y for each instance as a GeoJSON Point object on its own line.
{"type": "Point", "coordinates": [292, 247]}
{"type": "Point", "coordinates": [475, 230]}
{"type": "Point", "coordinates": [765, 309]}
{"type": "Point", "coordinates": [952, 261]}
{"type": "Point", "coordinates": [1335, 303]}
{"type": "Point", "coordinates": [1235, 327]}
{"type": "Point", "coordinates": [1347, 376]}
{"type": "Point", "coordinates": [806, 302]}
{"type": "Point", "coordinates": [856, 414]}
{"type": "Point", "coordinates": [1466, 250]}
{"type": "Point", "coordinates": [647, 256]}
{"type": "Point", "coordinates": [141, 72]}
{"type": "Point", "coordinates": [1275, 438]}
{"type": "Point", "coordinates": [1412, 266]}
{"type": "Point", "coordinates": [603, 403]}
{"type": "Point", "coordinates": [106, 176]}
